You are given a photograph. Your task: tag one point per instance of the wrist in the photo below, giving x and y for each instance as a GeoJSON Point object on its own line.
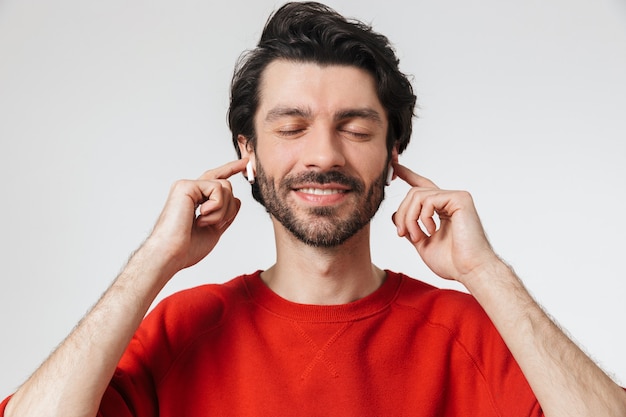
{"type": "Point", "coordinates": [152, 264]}
{"type": "Point", "coordinates": [491, 273]}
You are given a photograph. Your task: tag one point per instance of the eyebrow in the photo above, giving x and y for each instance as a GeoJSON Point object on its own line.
{"type": "Point", "coordinates": [361, 113]}
{"type": "Point", "coordinates": [280, 111]}
{"type": "Point", "coordinates": [357, 113]}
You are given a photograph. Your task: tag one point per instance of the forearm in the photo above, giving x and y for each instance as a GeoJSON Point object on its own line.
{"type": "Point", "coordinates": [73, 379]}
{"type": "Point", "coordinates": [565, 381]}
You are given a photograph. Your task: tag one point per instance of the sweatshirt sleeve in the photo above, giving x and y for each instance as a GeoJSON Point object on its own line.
{"type": "Point", "coordinates": [132, 391]}
{"type": "Point", "coordinates": [163, 334]}
{"type": "Point", "coordinates": [3, 405]}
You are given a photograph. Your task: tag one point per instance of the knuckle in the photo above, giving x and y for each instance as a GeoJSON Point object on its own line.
{"type": "Point", "coordinates": [226, 184]}
{"type": "Point", "coordinates": [465, 195]}
{"type": "Point", "coordinates": [179, 185]}
{"type": "Point", "coordinates": [414, 193]}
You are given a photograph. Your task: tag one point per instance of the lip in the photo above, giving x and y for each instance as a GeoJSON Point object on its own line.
{"type": "Point", "coordinates": [324, 187]}
{"type": "Point", "coordinates": [322, 194]}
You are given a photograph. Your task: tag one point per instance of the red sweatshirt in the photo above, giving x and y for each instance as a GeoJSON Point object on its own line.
{"type": "Point", "coordinates": [238, 349]}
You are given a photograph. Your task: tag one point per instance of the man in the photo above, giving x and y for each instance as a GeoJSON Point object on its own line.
{"type": "Point", "coordinates": [320, 112]}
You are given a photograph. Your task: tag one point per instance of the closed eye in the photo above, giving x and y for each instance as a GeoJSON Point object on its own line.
{"type": "Point", "coordinates": [354, 134]}
{"type": "Point", "coordinates": [290, 132]}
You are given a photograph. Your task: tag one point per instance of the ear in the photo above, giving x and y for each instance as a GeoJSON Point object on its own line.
{"type": "Point", "coordinates": [393, 160]}
{"type": "Point", "coordinates": [394, 154]}
{"type": "Point", "coordinates": [245, 147]}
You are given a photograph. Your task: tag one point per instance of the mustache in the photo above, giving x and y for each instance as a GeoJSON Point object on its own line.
{"type": "Point", "coordinates": [328, 177]}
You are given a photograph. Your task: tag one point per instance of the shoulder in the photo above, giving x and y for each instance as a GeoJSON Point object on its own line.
{"type": "Point", "coordinates": [187, 313]}
{"type": "Point", "coordinates": [453, 309]}
{"type": "Point", "coordinates": [209, 298]}
{"type": "Point", "coordinates": [177, 322]}
{"type": "Point", "coordinates": [458, 317]}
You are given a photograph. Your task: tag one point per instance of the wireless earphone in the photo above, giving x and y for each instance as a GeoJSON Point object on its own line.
{"type": "Point", "coordinates": [389, 175]}
{"type": "Point", "coordinates": [250, 172]}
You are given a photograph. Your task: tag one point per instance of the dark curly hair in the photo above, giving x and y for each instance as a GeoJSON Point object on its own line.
{"type": "Point", "coordinates": [313, 32]}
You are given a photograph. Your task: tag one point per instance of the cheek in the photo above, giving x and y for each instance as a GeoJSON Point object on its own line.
{"type": "Point", "coordinates": [369, 163]}
{"type": "Point", "coordinates": [277, 161]}
{"type": "Point", "coordinates": [367, 160]}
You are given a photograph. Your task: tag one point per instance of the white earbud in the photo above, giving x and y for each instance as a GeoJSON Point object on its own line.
{"type": "Point", "coordinates": [250, 172]}
{"type": "Point", "coordinates": [389, 175]}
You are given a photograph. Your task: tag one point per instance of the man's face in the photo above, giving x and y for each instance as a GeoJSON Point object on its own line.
{"type": "Point", "coordinates": [321, 150]}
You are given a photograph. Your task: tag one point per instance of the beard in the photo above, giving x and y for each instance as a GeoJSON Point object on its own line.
{"type": "Point", "coordinates": [319, 226]}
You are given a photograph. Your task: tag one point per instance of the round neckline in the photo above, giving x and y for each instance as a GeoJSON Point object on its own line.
{"type": "Point", "coordinates": [367, 306]}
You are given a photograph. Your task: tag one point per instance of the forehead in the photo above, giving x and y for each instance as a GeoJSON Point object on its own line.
{"type": "Point", "coordinates": [322, 90]}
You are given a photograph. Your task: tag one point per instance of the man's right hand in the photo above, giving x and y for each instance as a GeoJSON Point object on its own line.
{"type": "Point", "coordinates": [195, 215]}
{"type": "Point", "coordinates": [72, 381]}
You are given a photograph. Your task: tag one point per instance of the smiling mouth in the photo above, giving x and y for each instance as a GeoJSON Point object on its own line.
{"type": "Point", "coordinates": [321, 191]}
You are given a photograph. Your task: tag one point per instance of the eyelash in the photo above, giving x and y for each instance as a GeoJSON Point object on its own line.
{"type": "Point", "coordinates": [358, 135]}
{"type": "Point", "coordinates": [290, 132]}
{"type": "Point", "coordinates": [296, 132]}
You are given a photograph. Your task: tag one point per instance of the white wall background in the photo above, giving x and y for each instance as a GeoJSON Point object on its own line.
{"type": "Point", "coordinates": [104, 104]}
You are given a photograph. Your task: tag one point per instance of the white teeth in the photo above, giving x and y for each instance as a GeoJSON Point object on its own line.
{"type": "Point", "coordinates": [319, 191]}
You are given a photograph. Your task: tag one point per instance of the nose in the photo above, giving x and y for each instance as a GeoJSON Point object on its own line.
{"type": "Point", "coordinates": [323, 150]}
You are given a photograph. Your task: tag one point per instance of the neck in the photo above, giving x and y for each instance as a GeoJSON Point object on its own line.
{"type": "Point", "coordinates": [311, 275]}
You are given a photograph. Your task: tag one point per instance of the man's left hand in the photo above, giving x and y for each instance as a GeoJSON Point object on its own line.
{"type": "Point", "coordinates": [457, 247]}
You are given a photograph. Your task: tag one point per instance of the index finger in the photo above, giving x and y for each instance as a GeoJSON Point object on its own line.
{"type": "Point", "coordinates": [225, 171]}
{"type": "Point", "coordinates": [412, 178]}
